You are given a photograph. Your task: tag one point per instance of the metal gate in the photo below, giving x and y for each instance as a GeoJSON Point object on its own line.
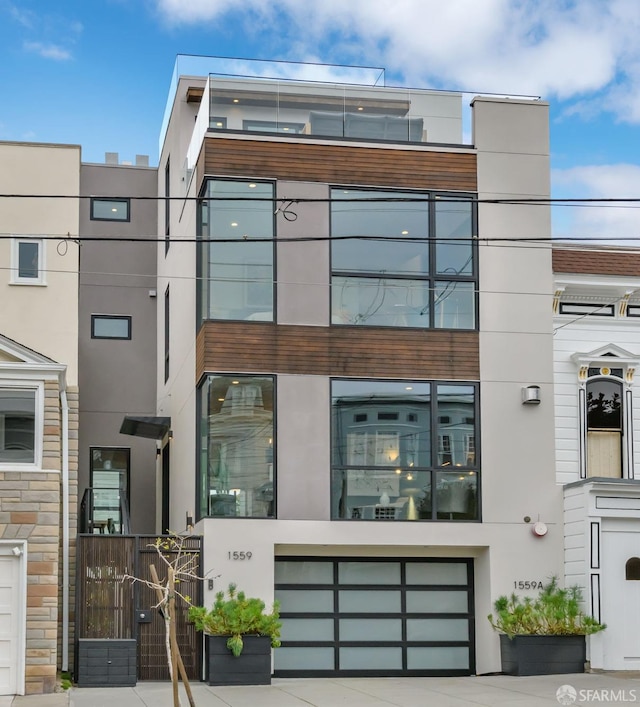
{"type": "Point", "coordinates": [110, 606]}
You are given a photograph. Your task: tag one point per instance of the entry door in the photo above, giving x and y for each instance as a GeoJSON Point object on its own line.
{"type": "Point", "coordinates": [11, 628]}
{"type": "Point", "coordinates": [620, 602]}
{"type": "Point", "coordinates": [375, 617]}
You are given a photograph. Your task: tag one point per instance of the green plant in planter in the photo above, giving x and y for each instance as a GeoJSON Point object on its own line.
{"type": "Point", "coordinates": [236, 615]}
{"type": "Point", "coordinates": [554, 612]}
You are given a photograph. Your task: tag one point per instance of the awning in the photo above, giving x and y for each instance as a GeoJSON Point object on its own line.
{"type": "Point", "coordinates": [150, 427]}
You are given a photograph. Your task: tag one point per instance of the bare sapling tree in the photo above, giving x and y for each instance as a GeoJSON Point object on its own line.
{"type": "Point", "coordinates": [181, 566]}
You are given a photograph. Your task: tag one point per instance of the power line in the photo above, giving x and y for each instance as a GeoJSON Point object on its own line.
{"type": "Point", "coordinates": [455, 240]}
{"type": "Point", "coordinates": [444, 197]}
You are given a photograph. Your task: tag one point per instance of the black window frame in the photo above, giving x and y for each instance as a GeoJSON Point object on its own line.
{"type": "Point", "coordinates": [167, 205]}
{"type": "Point", "coordinates": [202, 268]}
{"type": "Point", "coordinates": [584, 309]}
{"type": "Point", "coordinates": [434, 467]}
{"type": "Point", "coordinates": [167, 332]}
{"type": "Point", "coordinates": [432, 277]}
{"type": "Point", "coordinates": [199, 457]}
{"type": "Point", "coordinates": [127, 317]}
{"type": "Point", "coordinates": [116, 200]}
{"type": "Point", "coordinates": [126, 504]}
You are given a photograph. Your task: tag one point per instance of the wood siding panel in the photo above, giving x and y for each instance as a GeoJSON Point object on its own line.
{"type": "Point", "coordinates": [336, 351]}
{"type": "Point", "coordinates": [596, 262]}
{"type": "Point", "coordinates": [338, 164]}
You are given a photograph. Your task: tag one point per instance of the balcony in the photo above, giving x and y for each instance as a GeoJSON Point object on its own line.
{"type": "Point", "coordinates": [346, 104]}
{"type": "Point", "coordinates": [333, 111]}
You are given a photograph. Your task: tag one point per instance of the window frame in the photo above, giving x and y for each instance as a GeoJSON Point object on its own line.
{"type": "Point", "coordinates": [203, 260]}
{"type": "Point", "coordinates": [16, 279]}
{"type": "Point", "coordinates": [434, 434]}
{"type": "Point", "coordinates": [38, 435]}
{"type": "Point", "coordinates": [115, 200]}
{"type": "Point", "coordinates": [432, 277]}
{"type": "Point", "coordinates": [97, 317]}
{"type": "Point", "coordinates": [127, 475]}
{"type": "Point", "coordinates": [203, 454]}
{"type": "Point", "coordinates": [167, 332]}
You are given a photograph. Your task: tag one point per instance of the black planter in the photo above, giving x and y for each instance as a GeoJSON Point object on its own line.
{"type": "Point", "coordinates": [542, 655]}
{"type": "Point", "coordinates": [251, 667]}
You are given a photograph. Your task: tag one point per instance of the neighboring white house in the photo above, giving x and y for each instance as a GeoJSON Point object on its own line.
{"type": "Point", "coordinates": [597, 355]}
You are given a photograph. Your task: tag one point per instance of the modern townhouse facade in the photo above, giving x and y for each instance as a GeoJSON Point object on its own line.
{"type": "Point", "coordinates": [38, 410]}
{"type": "Point", "coordinates": [596, 356]}
{"type": "Point", "coordinates": [359, 385]}
{"type": "Point", "coordinates": [117, 345]}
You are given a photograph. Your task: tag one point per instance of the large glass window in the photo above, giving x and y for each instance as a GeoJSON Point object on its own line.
{"type": "Point", "coordinates": [404, 450]}
{"type": "Point", "coordinates": [402, 260]}
{"type": "Point", "coordinates": [236, 258]}
{"type": "Point", "coordinates": [236, 446]}
{"type": "Point", "coordinates": [110, 484]}
{"type": "Point", "coordinates": [18, 425]}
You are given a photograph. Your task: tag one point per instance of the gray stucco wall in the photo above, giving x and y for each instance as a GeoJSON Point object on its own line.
{"type": "Point", "coordinates": [118, 376]}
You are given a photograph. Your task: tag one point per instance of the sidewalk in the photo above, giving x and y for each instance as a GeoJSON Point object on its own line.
{"type": "Point", "coordinates": [487, 691]}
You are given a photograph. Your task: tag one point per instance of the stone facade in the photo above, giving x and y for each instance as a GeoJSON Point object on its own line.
{"type": "Point", "coordinates": [31, 510]}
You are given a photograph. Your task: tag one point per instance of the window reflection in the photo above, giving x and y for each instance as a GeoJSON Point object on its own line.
{"type": "Point", "coordinates": [236, 279]}
{"type": "Point", "coordinates": [383, 463]}
{"type": "Point", "coordinates": [402, 259]}
{"type": "Point", "coordinates": [237, 446]}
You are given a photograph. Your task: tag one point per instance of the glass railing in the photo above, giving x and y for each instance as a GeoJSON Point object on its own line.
{"type": "Point", "coordinates": [334, 111]}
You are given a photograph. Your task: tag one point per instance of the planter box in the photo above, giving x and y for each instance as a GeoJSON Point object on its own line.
{"type": "Point", "coordinates": [542, 655]}
{"type": "Point", "coordinates": [251, 667]}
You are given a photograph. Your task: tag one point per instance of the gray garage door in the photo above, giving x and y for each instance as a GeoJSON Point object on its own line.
{"type": "Point", "coordinates": [382, 617]}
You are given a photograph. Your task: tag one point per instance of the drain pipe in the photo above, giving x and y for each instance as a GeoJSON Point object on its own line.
{"type": "Point", "coordinates": [64, 404]}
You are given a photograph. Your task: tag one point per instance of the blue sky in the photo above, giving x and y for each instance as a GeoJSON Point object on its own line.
{"type": "Point", "coordinates": [97, 72]}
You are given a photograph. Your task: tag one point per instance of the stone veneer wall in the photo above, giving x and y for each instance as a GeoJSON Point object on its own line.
{"type": "Point", "coordinates": [30, 508]}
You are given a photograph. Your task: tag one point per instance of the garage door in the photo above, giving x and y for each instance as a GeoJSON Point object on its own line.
{"type": "Point", "coordinates": [382, 617]}
{"type": "Point", "coordinates": [10, 628]}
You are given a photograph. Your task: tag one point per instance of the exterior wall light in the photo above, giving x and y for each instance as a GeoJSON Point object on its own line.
{"type": "Point", "coordinates": [531, 395]}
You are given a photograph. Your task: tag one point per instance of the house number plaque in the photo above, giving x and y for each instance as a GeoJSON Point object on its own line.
{"type": "Point", "coordinates": [527, 584]}
{"type": "Point", "coordinates": [239, 555]}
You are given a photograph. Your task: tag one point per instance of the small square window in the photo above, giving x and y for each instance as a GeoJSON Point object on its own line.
{"type": "Point", "coordinates": [27, 267]}
{"type": "Point", "coordinates": [108, 326]}
{"type": "Point", "coordinates": [110, 209]}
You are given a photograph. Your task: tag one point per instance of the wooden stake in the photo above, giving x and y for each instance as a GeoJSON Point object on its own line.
{"type": "Point", "coordinates": [175, 650]}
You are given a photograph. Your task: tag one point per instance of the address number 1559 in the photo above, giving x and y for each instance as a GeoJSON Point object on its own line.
{"type": "Point", "coordinates": [239, 555]}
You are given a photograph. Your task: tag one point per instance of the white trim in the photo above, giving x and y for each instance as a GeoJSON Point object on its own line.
{"type": "Point", "coordinates": [15, 279]}
{"type": "Point", "coordinates": [38, 387]}
{"type": "Point", "coordinates": [7, 548]}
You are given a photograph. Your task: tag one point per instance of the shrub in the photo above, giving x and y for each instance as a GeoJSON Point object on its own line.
{"type": "Point", "coordinates": [554, 612]}
{"type": "Point", "coordinates": [236, 615]}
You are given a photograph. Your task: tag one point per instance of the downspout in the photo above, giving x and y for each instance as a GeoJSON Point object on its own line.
{"type": "Point", "coordinates": [65, 524]}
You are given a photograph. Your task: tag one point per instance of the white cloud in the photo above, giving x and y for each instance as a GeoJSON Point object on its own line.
{"type": "Point", "coordinates": [611, 221]}
{"type": "Point", "coordinates": [48, 51]}
{"type": "Point", "coordinates": [564, 50]}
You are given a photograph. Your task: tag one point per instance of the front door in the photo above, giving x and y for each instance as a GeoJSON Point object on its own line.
{"type": "Point", "coordinates": [620, 596]}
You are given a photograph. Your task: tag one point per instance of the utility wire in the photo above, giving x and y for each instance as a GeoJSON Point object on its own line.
{"type": "Point", "coordinates": [454, 241]}
{"type": "Point", "coordinates": [446, 197]}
